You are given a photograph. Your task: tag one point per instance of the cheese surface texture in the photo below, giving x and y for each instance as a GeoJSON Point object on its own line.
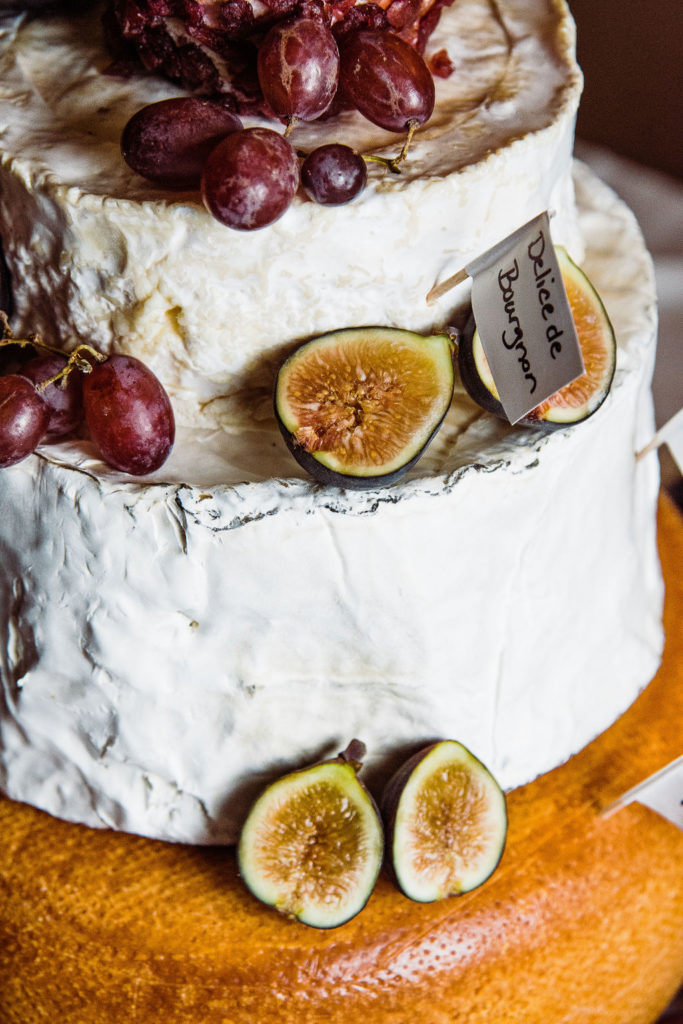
{"type": "Point", "coordinates": [169, 645]}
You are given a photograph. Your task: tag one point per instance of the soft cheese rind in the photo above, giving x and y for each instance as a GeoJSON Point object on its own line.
{"type": "Point", "coordinates": [99, 255]}
{"type": "Point", "coordinates": [166, 647]}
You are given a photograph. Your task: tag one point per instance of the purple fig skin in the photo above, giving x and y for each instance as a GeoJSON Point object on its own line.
{"type": "Point", "coordinates": [354, 754]}
{"type": "Point", "coordinates": [389, 801]}
{"type": "Point", "coordinates": [472, 382]}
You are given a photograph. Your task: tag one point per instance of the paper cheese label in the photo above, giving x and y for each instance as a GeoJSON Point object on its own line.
{"type": "Point", "coordinates": [662, 792]}
{"type": "Point", "coordinates": [671, 434]}
{"type": "Point", "coordinates": [524, 319]}
{"type": "Point", "coordinates": [674, 439]}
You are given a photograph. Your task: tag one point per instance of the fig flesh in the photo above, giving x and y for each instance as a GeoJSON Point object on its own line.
{"type": "Point", "coordinates": [312, 844]}
{"type": "Point", "coordinates": [578, 400]}
{"type": "Point", "coordinates": [358, 407]}
{"type": "Point", "coordinates": [446, 822]}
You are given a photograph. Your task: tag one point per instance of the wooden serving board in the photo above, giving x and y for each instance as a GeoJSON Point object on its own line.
{"type": "Point", "coordinates": [582, 923]}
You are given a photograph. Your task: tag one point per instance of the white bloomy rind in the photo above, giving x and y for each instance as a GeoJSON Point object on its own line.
{"type": "Point", "coordinates": [168, 646]}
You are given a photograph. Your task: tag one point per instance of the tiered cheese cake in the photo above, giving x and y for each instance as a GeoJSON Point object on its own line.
{"type": "Point", "coordinates": [169, 644]}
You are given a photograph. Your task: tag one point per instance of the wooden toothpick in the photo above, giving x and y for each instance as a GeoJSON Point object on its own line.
{"type": "Point", "coordinates": [451, 282]}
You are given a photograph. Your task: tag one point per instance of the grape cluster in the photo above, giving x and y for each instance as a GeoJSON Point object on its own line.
{"type": "Point", "coordinates": [249, 176]}
{"type": "Point", "coordinates": [122, 403]}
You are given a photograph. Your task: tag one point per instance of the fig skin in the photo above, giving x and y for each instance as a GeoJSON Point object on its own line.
{"type": "Point", "coordinates": [389, 804]}
{"type": "Point", "coordinates": [391, 794]}
{"type": "Point", "coordinates": [329, 478]}
{"type": "Point", "coordinates": [390, 797]}
{"type": "Point", "coordinates": [469, 375]}
{"type": "Point", "coordinates": [359, 897]}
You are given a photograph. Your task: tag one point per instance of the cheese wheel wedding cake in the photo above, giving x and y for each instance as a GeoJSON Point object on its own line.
{"type": "Point", "coordinates": [171, 643]}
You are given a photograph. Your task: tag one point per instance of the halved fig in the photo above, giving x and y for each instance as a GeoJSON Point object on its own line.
{"type": "Point", "coordinates": [358, 407]}
{"type": "Point", "coordinates": [446, 822]}
{"type": "Point", "coordinates": [312, 844]}
{"type": "Point", "coordinates": [578, 400]}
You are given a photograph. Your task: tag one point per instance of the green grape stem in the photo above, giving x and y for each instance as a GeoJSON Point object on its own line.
{"type": "Point", "coordinates": [393, 163]}
{"type": "Point", "coordinates": [75, 360]}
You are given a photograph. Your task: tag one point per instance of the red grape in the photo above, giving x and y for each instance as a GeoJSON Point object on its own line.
{"type": "Point", "coordinates": [250, 178]}
{"type": "Point", "coordinates": [168, 142]}
{"type": "Point", "coordinates": [386, 79]}
{"type": "Point", "coordinates": [298, 68]}
{"type": "Point", "coordinates": [129, 415]}
{"type": "Point", "coordinates": [24, 419]}
{"type": "Point", "coordinates": [64, 399]}
{"type": "Point", "coordinates": [333, 174]}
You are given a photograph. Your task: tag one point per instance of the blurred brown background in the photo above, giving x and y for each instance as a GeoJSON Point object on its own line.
{"type": "Point", "coordinates": [630, 130]}
{"type": "Point", "coordinates": [631, 52]}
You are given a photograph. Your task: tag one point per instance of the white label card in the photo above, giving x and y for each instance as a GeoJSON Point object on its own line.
{"type": "Point", "coordinates": [672, 436]}
{"type": "Point", "coordinates": [662, 792]}
{"type": "Point", "coordinates": [524, 320]}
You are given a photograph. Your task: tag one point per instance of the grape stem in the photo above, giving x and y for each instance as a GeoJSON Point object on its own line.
{"type": "Point", "coordinates": [75, 361]}
{"type": "Point", "coordinates": [292, 123]}
{"type": "Point", "coordinates": [393, 163]}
